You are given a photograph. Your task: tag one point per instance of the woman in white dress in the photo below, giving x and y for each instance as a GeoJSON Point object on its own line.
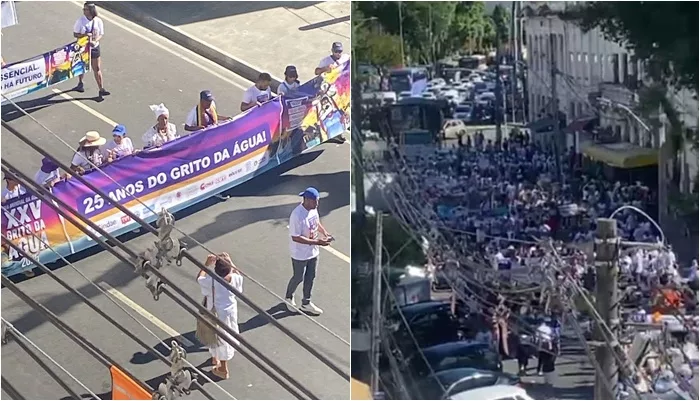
{"type": "Point", "coordinates": [163, 131]}
{"type": "Point", "coordinates": [225, 304]}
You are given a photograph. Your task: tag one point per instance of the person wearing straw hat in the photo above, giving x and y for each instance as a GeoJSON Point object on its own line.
{"type": "Point", "coordinates": [49, 173]}
{"type": "Point", "coordinates": [163, 131]}
{"type": "Point", "coordinates": [88, 155]}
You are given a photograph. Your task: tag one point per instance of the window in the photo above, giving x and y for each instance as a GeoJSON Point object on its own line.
{"type": "Point", "coordinates": [578, 55]}
{"type": "Point", "coordinates": [595, 58]}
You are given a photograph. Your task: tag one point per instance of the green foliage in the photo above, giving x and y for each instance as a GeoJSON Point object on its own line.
{"type": "Point", "coordinates": [663, 33]}
{"type": "Point", "coordinates": [395, 243]}
{"type": "Point", "coordinates": [433, 30]}
{"type": "Point", "coordinates": [375, 48]}
{"type": "Point", "coordinates": [501, 24]}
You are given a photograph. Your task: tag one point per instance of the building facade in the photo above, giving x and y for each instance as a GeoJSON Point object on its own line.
{"type": "Point", "coordinates": [589, 69]}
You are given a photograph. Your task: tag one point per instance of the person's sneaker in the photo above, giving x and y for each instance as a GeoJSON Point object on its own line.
{"type": "Point", "coordinates": [29, 273]}
{"type": "Point", "coordinates": [311, 309]}
{"type": "Point", "coordinates": [104, 92]}
{"type": "Point", "coordinates": [539, 373]}
{"type": "Point", "coordinates": [80, 88]}
{"type": "Point", "coordinates": [291, 301]}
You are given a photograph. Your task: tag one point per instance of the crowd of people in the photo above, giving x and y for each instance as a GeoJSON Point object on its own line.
{"type": "Point", "coordinates": [492, 202]}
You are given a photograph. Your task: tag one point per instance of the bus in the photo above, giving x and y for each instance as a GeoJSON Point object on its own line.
{"type": "Point", "coordinates": [412, 80]}
{"type": "Point", "coordinates": [416, 121]}
{"type": "Point", "coordinates": [473, 62]}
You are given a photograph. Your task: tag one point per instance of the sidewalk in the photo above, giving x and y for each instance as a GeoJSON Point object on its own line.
{"type": "Point", "coordinates": [247, 37]}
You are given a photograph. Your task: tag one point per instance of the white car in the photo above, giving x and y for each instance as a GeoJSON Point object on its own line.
{"type": "Point", "coordinates": [404, 95]}
{"type": "Point", "coordinates": [428, 95]}
{"type": "Point", "coordinates": [498, 392]}
{"type": "Point", "coordinates": [454, 128]}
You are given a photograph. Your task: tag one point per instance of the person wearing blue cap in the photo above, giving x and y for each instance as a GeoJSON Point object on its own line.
{"type": "Point", "coordinates": [336, 59]}
{"type": "Point", "coordinates": [120, 145]}
{"type": "Point", "coordinates": [291, 81]}
{"type": "Point", "coordinates": [304, 228]}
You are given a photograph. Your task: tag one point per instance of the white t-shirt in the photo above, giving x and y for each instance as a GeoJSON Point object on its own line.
{"type": "Point", "coordinates": [192, 116]}
{"type": "Point", "coordinates": [328, 60]}
{"type": "Point", "coordinates": [152, 138]}
{"type": "Point", "coordinates": [303, 222]}
{"type": "Point", "coordinates": [79, 159]}
{"type": "Point", "coordinates": [123, 149]}
{"type": "Point", "coordinates": [43, 178]}
{"type": "Point", "coordinates": [286, 87]}
{"type": "Point", "coordinates": [253, 94]}
{"type": "Point", "coordinates": [16, 193]}
{"type": "Point", "coordinates": [85, 26]}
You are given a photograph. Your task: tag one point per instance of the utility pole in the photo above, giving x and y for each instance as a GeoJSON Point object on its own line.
{"type": "Point", "coordinates": [607, 249]}
{"type": "Point", "coordinates": [555, 104]}
{"type": "Point", "coordinates": [498, 114]}
{"type": "Point", "coordinates": [403, 56]}
{"type": "Point", "coordinates": [663, 156]}
{"type": "Point", "coordinates": [377, 302]}
{"type": "Point", "coordinates": [515, 46]}
{"type": "Point", "coordinates": [356, 138]}
{"type": "Point", "coordinates": [430, 33]}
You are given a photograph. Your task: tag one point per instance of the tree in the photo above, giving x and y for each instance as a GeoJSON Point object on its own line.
{"type": "Point", "coordinates": [501, 22]}
{"type": "Point", "coordinates": [400, 248]}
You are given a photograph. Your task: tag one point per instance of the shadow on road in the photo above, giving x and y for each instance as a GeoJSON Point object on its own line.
{"type": "Point", "coordinates": [188, 12]}
{"type": "Point", "coordinates": [11, 113]}
{"type": "Point", "coordinates": [324, 24]}
{"type": "Point", "coordinates": [142, 358]}
{"type": "Point", "coordinates": [278, 312]}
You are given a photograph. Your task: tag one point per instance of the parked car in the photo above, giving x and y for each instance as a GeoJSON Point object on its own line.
{"type": "Point", "coordinates": [454, 381]}
{"type": "Point", "coordinates": [405, 94]}
{"type": "Point", "coordinates": [453, 355]}
{"type": "Point", "coordinates": [430, 323]}
{"type": "Point", "coordinates": [454, 128]}
{"type": "Point", "coordinates": [498, 392]}
{"type": "Point", "coordinates": [463, 113]}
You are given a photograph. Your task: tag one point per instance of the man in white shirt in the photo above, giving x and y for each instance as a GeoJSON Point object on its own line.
{"type": "Point", "coordinates": [334, 60]}
{"type": "Point", "coordinates": [304, 243]}
{"type": "Point", "coordinates": [328, 63]}
{"type": "Point", "coordinates": [257, 94]}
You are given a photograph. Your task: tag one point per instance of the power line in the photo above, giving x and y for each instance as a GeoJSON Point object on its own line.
{"type": "Point", "coordinates": [100, 312]}
{"type": "Point", "coordinates": [42, 194]}
{"type": "Point", "coordinates": [20, 340]}
{"type": "Point", "coordinates": [304, 344]}
{"type": "Point", "coordinates": [152, 230]}
{"type": "Point", "coordinates": [90, 348]}
{"type": "Point", "coordinates": [10, 389]}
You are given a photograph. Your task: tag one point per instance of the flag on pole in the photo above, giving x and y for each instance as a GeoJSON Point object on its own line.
{"type": "Point", "coordinates": [9, 14]}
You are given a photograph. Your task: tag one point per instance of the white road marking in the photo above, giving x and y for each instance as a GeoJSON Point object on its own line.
{"type": "Point", "coordinates": [143, 312]}
{"type": "Point", "coordinates": [345, 258]}
{"type": "Point", "coordinates": [183, 50]}
{"type": "Point", "coordinates": [85, 107]}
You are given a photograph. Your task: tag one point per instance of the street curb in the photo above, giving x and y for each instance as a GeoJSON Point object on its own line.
{"type": "Point", "coordinates": [237, 66]}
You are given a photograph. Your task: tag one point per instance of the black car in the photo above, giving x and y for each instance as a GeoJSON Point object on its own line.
{"type": "Point", "coordinates": [430, 323]}
{"type": "Point", "coordinates": [452, 381]}
{"type": "Point", "coordinates": [453, 355]}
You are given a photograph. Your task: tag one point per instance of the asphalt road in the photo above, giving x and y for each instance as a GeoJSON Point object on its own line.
{"type": "Point", "coordinates": [141, 68]}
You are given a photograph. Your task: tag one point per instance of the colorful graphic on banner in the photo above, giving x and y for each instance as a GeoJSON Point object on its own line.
{"type": "Point", "coordinates": [48, 69]}
{"type": "Point", "coordinates": [177, 175]}
{"type": "Point", "coordinates": [316, 111]}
